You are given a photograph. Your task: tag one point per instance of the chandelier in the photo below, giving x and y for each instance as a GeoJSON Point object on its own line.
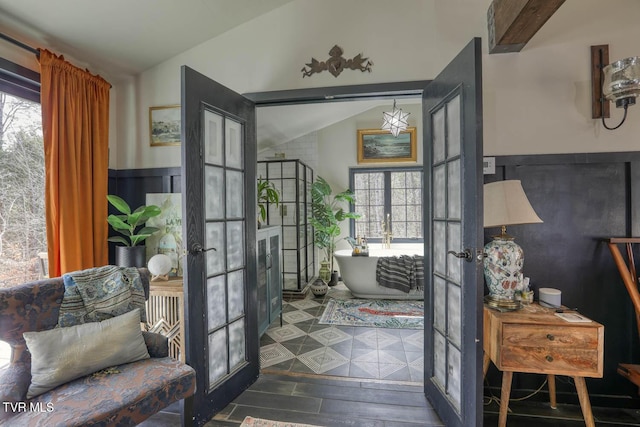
{"type": "Point", "coordinates": [395, 121]}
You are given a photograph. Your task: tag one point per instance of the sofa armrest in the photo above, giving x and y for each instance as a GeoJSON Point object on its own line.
{"type": "Point", "coordinates": [157, 344]}
{"type": "Point", "coordinates": [15, 380]}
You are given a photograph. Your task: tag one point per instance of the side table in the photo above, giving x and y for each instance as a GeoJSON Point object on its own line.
{"type": "Point", "coordinates": [165, 314]}
{"type": "Point", "coordinates": [535, 340]}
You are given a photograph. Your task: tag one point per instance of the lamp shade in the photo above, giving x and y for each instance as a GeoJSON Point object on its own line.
{"type": "Point", "coordinates": [622, 79]}
{"type": "Point", "coordinates": [506, 204]}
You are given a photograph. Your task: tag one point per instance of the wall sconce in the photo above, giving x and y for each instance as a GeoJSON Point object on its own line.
{"type": "Point", "coordinates": [619, 82]}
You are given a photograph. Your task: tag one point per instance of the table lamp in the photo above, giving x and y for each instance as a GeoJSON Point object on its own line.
{"type": "Point", "coordinates": [505, 203]}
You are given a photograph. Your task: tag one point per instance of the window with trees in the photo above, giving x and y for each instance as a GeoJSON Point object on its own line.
{"type": "Point", "coordinates": [22, 210]}
{"type": "Point", "coordinates": [396, 192]}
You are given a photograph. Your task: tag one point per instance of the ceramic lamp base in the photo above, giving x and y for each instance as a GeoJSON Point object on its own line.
{"type": "Point", "coordinates": [503, 268]}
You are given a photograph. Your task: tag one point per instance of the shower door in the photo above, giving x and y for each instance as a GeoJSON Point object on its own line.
{"type": "Point", "coordinates": [219, 211]}
{"type": "Point", "coordinates": [452, 117]}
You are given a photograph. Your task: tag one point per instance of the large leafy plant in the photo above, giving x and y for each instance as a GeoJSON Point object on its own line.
{"type": "Point", "coordinates": [128, 222]}
{"type": "Point", "coordinates": [267, 193]}
{"type": "Point", "coordinates": [327, 212]}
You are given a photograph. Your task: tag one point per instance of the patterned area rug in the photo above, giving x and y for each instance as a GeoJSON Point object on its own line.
{"type": "Point", "coordinates": [374, 313]}
{"type": "Point", "coordinates": [259, 422]}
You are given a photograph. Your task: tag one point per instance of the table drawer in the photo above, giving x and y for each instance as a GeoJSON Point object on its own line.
{"type": "Point", "coordinates": [549, 336]}
{"type": "Point", "coordinates": [572, 362]}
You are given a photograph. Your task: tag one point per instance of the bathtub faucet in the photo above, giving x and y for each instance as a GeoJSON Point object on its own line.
{"type": "Point", "coordinates": [386, 232]}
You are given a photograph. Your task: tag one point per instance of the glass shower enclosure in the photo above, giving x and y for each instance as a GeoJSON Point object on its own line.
{"type": "Point", "coordinates": [292, 178]}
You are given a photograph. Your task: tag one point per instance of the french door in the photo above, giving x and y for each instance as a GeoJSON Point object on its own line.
{"type": "Point", "coordinates": [219, 228]}
{"type": "Point", "coordinates": [452, 119]}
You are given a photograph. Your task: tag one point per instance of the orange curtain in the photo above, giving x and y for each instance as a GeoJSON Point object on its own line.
{"type": "Point", "coordinates": [75, 123]}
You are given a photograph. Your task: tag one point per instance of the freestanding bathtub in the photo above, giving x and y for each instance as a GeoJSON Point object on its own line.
{"type": "Point", "coordinates": [359, 272]}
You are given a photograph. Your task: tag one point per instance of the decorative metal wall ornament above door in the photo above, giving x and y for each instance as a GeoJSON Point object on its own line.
{"type": "Point", "coordinates": [336, 63]}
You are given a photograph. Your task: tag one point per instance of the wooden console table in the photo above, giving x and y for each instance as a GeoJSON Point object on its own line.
{"type": "Point", "coordinates": [165, 314]}
{"type": "Point", "coordinates": [535, 340]}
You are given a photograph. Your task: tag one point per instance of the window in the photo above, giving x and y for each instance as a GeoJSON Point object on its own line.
{"type": "Point", "coordinates": [396, 192]}
{"type": "Point", "coordinates": [22, 210]}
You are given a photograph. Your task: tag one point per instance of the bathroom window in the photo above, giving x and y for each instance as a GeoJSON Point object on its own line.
{"type": "Point", "coordinates": [395, 193]}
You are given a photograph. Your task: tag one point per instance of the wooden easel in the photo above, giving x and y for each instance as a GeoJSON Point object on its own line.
{"type": "Point", "coordinates": [630, 278]}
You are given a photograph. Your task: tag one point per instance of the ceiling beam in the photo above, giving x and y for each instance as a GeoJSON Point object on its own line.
{"type": "Point", "coordinates": [512, 23]}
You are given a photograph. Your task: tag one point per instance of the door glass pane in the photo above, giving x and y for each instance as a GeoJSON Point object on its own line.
{"type": "Point", "coordinates": [439, 303]}
{"type": "Point", "coordinates": [454, 377]}
{"type": "Point", "coordinates": [439, 192]}
{"type": "Point", "coordinates": [453, 189]}
{"type": "Point", "coordinates": [214, 192]}
{"type": "Point", "coordinates": [218, 360]}
{"type": "Point", "coordinates": [235, 281]}
{"type": "Point", "coordinates": [236, 344]}
{"type": "Point", "coordinates": [215, 239]}
{"type": "Point", "coordinates": [454, 314]}
{"type": "Point", "coordinates": [440, 359]}
{"type": "Point", "coordinates": [439, 247]}
{"type": "Point", "coordinates": [438, 136]}
{"type": "Point", "coordinates": [453, 127]}
{"type": "Point", "coordinates": [213, 138]}
{"type": "Point", "coordinates": [454, 243]}
{"type": "Point", "coordinates": [216, 303]}
{"type": "Point", "coordinates": [233, 144]}
{"type": "Point", "coordinates": [235, 245]}
{"type": "Point", "coordinates": [235, 194]}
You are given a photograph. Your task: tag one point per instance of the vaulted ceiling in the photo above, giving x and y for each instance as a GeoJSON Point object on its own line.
{"type": "Point", "coordinates": [123, 38]}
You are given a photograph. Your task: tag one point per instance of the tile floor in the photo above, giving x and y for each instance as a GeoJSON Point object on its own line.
{"type": "Point", "coordinates": [304, 345]}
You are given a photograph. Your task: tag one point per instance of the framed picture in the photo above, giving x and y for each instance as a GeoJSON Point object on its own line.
{"type": "Point", "coordinates": [164, 125]}
{"type": "Point", "coordinates": [380, 146]}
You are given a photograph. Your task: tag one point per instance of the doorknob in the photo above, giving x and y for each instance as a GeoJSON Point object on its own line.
{"type": "Point", "coordinates": [466, 254]}
{"type": "Point", "coordinates": [196, 248]}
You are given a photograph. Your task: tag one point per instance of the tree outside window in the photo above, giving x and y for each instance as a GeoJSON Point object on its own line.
{"type": "Point", "coordinates": [22, 210]}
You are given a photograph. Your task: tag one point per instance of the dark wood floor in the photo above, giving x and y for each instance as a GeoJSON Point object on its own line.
{"type": "Point", "coordinates": [335, 401]}
{"type": "Point", "coordinates": [331, 401]}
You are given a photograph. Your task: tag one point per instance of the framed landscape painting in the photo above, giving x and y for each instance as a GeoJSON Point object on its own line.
{"type": "Point", "coordinates": [164, 125]}
{"type": "Point", "coordinates": [380, 146]}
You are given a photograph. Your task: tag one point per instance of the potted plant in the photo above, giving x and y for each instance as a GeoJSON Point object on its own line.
{"type": "Point", "coordinates": [267, 193]}
{"type": "Point", "coordinates": [131, 226]}
{"type": "Point", "coordinates": [327, 212]}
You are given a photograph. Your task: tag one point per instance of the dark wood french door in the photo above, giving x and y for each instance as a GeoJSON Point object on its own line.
{"type": "Point", "coordinates": [219, 229]}
{"type": "Point", "coordinates": [452, 119]}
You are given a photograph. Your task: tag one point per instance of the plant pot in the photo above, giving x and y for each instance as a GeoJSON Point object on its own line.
{"type": "Point", "coordinates": [131, 256]}
{"type": "Point", "coordinates": [334, 278]}
{"type": "Point", "coordinates": [319, 288]}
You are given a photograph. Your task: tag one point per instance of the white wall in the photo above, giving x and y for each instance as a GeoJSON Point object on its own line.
{"type": "Point", "coordinates": [535, 101]}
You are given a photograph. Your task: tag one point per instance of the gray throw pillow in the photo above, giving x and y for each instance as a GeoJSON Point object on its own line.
{"type": "Point", "coordinates": [63, 354]}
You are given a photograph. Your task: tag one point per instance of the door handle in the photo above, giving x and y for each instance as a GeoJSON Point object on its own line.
{"type": "Point", "coordinates": [197, 248]}
{"type": "Point", "coordinates": [466, 254]}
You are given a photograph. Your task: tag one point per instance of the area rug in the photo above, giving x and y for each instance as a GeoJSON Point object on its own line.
{"type": "Point", "coordinates": [374, 313]}
{"type": "Point", "coordinates": [259, 422]}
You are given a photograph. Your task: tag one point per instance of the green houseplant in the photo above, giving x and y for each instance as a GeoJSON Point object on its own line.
{"type": "Point", "coordinates": [130, 224]}
{"type": "Point", "coordinates": [327, 212]}
{"type": "Point", "coordinates": [267, 193]}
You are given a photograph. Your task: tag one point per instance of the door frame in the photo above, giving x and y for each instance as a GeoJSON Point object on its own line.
{"type": "Point", "coordinates": [395, 90]}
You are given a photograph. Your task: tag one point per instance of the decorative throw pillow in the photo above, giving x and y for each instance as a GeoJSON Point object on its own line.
{"type": "Point", "coordinates": [63, 354]}
{"type": "Point", "coordinates": [99, 293]}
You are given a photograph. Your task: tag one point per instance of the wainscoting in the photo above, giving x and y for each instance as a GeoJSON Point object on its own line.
{"type": "Point", "coordinates": [582, 198]}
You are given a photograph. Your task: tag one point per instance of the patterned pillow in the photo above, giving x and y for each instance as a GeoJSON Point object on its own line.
{"type": "Point", "coordinates": [60, 355]}
{"type": "Point", "coordinates": [99, 293]}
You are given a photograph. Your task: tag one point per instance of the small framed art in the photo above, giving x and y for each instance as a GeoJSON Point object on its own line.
{"type": "Point", "coordinates": [164, 125]}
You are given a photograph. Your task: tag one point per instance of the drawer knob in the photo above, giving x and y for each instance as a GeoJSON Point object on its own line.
{"type": "Point", "coordinates": [549, 358]}
{"type": "Point", "coordinates": [550, 337]}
